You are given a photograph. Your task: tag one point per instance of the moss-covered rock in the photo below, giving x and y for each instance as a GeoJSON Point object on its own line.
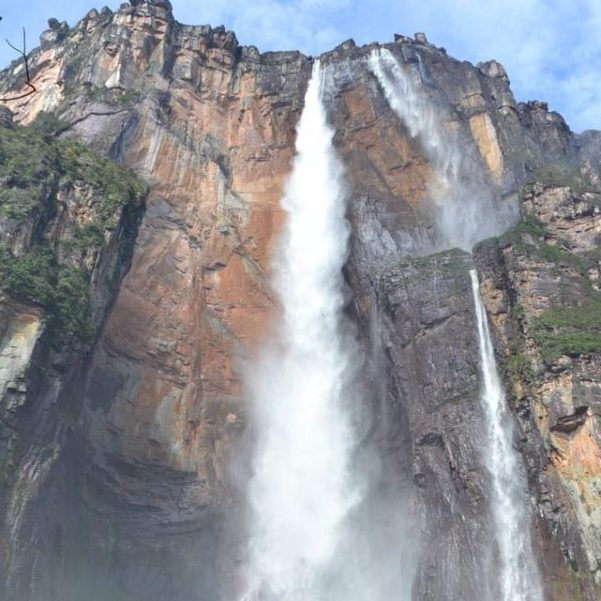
{"type": "Point", "coordinates": [569, 331]}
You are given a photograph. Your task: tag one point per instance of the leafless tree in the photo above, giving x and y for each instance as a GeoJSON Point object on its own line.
{"type": "Point", "coordinates": [23, 52]}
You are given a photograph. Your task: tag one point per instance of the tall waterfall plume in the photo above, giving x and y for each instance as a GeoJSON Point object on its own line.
{"type": "Point", "coordinates": [519, 580]}
{"type": "Point", "coordinates": [463, 206]}
{"type": "Point", "coordinates": [302, 489]}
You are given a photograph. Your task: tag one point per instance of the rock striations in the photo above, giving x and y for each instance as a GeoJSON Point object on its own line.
{"type": "Point", "coordinates": [121, 456]}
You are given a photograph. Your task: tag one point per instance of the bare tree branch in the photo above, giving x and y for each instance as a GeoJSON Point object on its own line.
{"type": "Point", "coordinates": [23, 53]}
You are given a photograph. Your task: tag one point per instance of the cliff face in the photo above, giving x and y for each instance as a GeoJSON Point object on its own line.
{"type": "Point", "coordinates": [541, 283]}
{"type": "Point", "coordinates": [130, 492]}
{"type": "Point", "coordinates": [68, 222]}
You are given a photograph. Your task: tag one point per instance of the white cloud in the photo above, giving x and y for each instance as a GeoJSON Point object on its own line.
{"type": "Point", "coordinates": [272, 24]}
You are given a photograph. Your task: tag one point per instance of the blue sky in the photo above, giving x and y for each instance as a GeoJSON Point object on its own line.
{"type": "Point", "coordinates": [550, 48]}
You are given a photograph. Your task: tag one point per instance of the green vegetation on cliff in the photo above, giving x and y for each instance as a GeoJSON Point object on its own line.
{"type": "Point", "coordinates": [519, 366]}
{"type": "Point", "coordinates": [33, 163]}
{"type": "Point", "coordinates": [524, 234]}
{"type": "Point", "coordinates": [563, 174]}
{"type": "Point", "coordinates": [63, 290]}
{"type": "Point", "coordinates": [569, 330]}
{"type": "Point", "coordinates": [28, 170]}
{"type": "Point", "coordinates": [573, 326]}
{"type": "Point", "coordinates": [44, 180]}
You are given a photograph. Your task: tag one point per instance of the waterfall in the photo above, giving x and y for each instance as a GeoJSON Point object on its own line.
{"type": "Point", "coordinates": [519, 579]}
{"type": "Point", "coordinates": [301, 490]}
{"type": "Point", "coordinates": [463, 206]}
{"type": "Point", "coordinates": [464, 211]}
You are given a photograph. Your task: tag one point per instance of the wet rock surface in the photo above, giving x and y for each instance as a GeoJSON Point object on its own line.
{"type": "Point", "coordinates": [134, 494]}
{"type": "Point", "coordinates": [422, 306]}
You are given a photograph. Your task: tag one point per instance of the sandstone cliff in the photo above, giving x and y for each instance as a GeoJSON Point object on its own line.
{"type": "Point", "coordinates": [117, 452]}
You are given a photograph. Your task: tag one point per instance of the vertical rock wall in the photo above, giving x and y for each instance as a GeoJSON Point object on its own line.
{"type": "Point", "coordinates": [142, 499]}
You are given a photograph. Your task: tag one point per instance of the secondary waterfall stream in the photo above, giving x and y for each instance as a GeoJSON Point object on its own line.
{"type": "Point", "coordinates": [466, 212]}
{"type": "Point", "coordinates": [518, 575]}
{"type": "Point", "coordinates": [302, 488]}
{"type": "Point", "coordinates": [458, 194]}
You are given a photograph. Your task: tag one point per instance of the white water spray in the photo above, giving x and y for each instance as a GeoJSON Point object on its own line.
{"type": "Point", "coordinates": [464, 206]}
{"type": "Point", "coordinates": [301, 490]}
{"type": "Point", "coordinates": [519, 580]}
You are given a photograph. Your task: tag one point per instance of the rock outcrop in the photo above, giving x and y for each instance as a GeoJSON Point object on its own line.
{"type": "Point", "coordinates": [129, 489]}
{"type": "Point", "coordinates": [68, 222]}
{"type": "Point", "coordinates": [541, 287]}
